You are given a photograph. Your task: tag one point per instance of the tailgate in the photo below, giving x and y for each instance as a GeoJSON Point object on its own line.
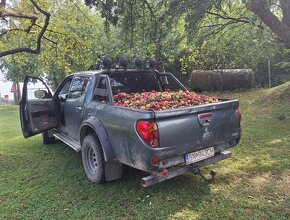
{"type": "Point", "coordinates": [189, 129]}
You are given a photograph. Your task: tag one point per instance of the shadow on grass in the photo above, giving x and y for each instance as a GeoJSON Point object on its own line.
{"type": "Point", "coordinates": [52, 179]}
{"type": "Point", "coordinates": [50, 183]}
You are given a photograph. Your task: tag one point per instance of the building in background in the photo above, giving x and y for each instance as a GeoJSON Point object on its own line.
{"type": "Point", "coordinates": [9, 91]}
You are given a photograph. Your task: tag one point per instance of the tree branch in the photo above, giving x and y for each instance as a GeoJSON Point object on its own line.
{"type": "Point", "coordinates": [84, 14]}
{"type": "Point", "coordinates": [5, 12]}
{"type": "Point", "coordinates": [51, 41]}
{"type": "Point", "coordinates": [39, 38]}
{"type": "Point", "coordinates": [30, 26]}
{"type": "Point", "coordinates": [226, 17]}
{"type": "Point", "coordinates": [61, 33]}
{"type": "Point", "coordinates": [52, 31]}
{"type": "Point", "coordinates": [150, 9]}
{"type": "Point", "coordinates": [260, 8]}
{"type": "Point", "coordinates": [237, 20]}
{"type": "Point", "coordinates": [11, 30]}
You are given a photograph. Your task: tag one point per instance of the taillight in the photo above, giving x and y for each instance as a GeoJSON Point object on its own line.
{"type": "Point", "coordinates": [148, 131]}
{"type": "Point", "coordinates": [239, 115]}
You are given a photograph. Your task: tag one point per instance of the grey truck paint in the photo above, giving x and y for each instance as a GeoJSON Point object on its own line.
{"type": "Point", "coordinates": [181, 131]}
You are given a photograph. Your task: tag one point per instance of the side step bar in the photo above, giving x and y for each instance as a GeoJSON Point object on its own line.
{"type": "Point", "coordinates": [176, 171]}
{"type": "Point", "coordinates": [69, 141]}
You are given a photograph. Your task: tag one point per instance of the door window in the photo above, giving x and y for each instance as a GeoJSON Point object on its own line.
{"type": "Point", "coordinates": [78, 86]}
{"type": "Point", "coordinates": [36, 89]}
{"type": "Point", "coordinates": [65, 89]}
{"type": "Point", "coordinates": [37, 109]}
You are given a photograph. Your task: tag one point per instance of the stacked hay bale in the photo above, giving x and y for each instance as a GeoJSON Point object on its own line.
{"type": "Point", "coordinates": [221, 79]}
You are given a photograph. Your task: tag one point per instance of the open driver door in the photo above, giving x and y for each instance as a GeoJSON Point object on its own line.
{"type": "Point", "coordinates": [37, 107]}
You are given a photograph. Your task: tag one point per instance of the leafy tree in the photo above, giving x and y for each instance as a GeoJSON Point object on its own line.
{"type": "Point", "coordinates": [73, 42]}
{"type": "Point", "coordinates": [181, 34]}
{"type": "Point", "coordinates": [275, 14]}
{"type": "Point", "coordinates": [11, 25]}
{"type": "Point", "coordinates": [150, 23]}
{"type": "Point", "coordinates": [228, 36]}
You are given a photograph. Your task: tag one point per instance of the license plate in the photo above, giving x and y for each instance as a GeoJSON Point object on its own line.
{"type": "Point", "coordinates": [199, 155]}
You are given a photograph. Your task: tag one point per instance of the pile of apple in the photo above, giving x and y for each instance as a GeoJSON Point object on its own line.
{"type": "Point", "coordinates": [161, 100]}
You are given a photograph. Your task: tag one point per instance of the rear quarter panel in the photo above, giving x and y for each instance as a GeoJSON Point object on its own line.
{"type": "Point", "coordinates": [120, 125]}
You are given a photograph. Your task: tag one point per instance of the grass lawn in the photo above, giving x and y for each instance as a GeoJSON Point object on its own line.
{"type": "Point", "coordinates": [48, 182]}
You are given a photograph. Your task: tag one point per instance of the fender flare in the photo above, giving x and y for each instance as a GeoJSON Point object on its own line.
{"type": "Point", "coordinates": [96, 125]}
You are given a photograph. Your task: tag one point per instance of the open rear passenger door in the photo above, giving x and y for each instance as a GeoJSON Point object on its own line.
{"type": "Point", "coordinates": [37, 107]}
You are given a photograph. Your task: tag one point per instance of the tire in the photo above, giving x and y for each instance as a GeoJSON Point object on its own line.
{"type": "Point", "coordinates": [47, 138]}
{"type": "Point", "coordinates": [93, 159]}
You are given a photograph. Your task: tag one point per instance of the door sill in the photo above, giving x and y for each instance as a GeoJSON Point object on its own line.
{"type": "Point", "coordinates": [69, 141]}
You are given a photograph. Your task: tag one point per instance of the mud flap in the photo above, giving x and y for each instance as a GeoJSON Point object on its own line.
{"type": "Point", "coordinates": [113, 170]}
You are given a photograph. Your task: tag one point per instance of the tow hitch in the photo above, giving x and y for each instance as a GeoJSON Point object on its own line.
{"type": "Point", "coordinates": [197, 171]}
{"type": "Point", "coordinates": [176, 171]}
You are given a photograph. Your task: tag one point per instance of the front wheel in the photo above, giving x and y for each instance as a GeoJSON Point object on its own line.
{"type": "Point", "coordinates": [47, 138]}
{"type": "Point", "coordinates": [93, 159]}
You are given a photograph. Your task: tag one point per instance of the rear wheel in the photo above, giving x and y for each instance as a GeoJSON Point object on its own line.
{"type": "Point", "coordinates": [93, 159]}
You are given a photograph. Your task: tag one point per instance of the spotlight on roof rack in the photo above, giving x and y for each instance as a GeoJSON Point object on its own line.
{"type": "Point", "coordinates": [138, 62]}
{"type": "Point", "coordinates": [152, 64]}
{"type": "Point", "coordinates": [123, 62]}
{"type": "Point", "coordinates": [107, 62]}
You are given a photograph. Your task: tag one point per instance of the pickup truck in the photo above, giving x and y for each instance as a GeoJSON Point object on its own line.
{"type": "Point", "coordinates": [165, 143]}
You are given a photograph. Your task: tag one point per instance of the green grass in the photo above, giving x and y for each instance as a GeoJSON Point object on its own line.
{"type": "Point", "coordinates": [48, 182]}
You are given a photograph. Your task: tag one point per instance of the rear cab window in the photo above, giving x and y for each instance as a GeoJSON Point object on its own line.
{"type": "Point", "coordinates": [101, 93]}
{"type": "Point", "coordinates": [132, 82]}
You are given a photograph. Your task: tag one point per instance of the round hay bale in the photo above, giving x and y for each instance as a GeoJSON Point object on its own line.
{"type": "Point", "coordinates": [222, 79]}
{"type": "Point", "coordinates": [201, 80]}
{"type": "Point", "coordinates": [230, 79]}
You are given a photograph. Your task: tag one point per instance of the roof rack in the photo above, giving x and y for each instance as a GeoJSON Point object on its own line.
{"type": "Point", "coordinates": [122, 63]}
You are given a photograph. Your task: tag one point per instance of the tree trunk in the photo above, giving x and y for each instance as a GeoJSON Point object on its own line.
{"type": "Point", "coordinates": [18, 92]}
{"type": "Point", "coordinates": [55, 82]}
{"type": "Point", "coordinates": [158, 52]}
{"type": "Point", "coordinates": [285, 5]}
{"type": "Point", "coordinates": [158, 58]}
{"type": "Point", "coordinates": [280, 28]}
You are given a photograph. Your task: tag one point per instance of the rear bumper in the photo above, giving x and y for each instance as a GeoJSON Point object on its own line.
{"type": "Point", "coordinates": [176, 171]}
{"type": "Point", "coordinates": [179, 160]}
{"type": "Point", "coordinates": [175, 156]}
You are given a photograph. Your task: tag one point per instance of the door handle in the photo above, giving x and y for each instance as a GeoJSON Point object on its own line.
{"type": "Point", "coordinates": [79, 108]}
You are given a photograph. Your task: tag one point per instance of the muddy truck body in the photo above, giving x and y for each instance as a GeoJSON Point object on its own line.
{"type": "Point", "coordinates": [165, 143]}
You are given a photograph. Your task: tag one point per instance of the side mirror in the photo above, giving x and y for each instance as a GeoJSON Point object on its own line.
{"type": "Point", "coordinates": [63, 97]}
{"type": "Point", "coordinates": [40, 94]}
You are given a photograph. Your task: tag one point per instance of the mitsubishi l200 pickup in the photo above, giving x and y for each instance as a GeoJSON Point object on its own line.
{"type": "Point", "coordinates": [165, 143]}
